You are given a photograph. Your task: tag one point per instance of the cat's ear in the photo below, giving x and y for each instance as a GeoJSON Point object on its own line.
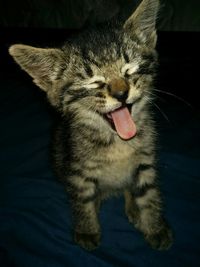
{"type": "Point", "coordinates": [142, 22]}
{"type": "Point", "coordinates": [41, 64]}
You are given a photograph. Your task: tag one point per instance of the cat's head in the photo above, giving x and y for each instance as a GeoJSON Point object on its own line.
{"type": "Point", "coordinates": [100, 70]}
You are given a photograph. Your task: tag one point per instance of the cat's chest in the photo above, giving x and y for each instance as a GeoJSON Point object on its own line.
{"type": "Point", "coordinates": [116, 166]}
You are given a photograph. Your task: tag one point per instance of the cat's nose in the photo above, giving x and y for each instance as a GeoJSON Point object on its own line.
{"type": "Point", "coordinates": [121, 95]}
{"type": "Point", "coordinates": [118, 88]}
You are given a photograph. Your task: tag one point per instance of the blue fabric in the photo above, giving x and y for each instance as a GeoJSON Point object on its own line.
{"type": "Point", "coordinates": [35, 219]}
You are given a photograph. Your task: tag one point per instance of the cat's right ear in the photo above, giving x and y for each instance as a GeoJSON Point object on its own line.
{"type": "Point", "coordinates": [142, 23]}
{"type": "Point", "coordinates": [43, 65]}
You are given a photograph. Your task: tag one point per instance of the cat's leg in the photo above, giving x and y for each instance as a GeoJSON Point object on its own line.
{"type": "Point", "coordinates": [143, 207]}
{"type": "Point", "coordinates": [85, 204]}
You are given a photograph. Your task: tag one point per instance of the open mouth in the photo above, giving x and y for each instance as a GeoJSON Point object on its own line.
{"type": "Point", "coordinates": [122, 122]}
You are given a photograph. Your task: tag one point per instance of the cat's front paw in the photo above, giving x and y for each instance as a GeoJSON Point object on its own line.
{"type": "Point", "coordinates": [161, 240]}
{"type": "Point", "coordinates": [87, 241]}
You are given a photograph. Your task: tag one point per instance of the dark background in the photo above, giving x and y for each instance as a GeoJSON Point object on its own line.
{"type": "Point", "coordinates": [175, 15]}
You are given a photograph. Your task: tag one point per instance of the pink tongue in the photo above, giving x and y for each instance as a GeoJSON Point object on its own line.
{"type": "Point", "coordinates": [124, 123]}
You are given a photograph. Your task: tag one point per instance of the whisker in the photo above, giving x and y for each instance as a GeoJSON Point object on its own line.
{"type": "Point", "coordinates": [175, 96]}
{"type": "Point", "coordinates": [164, 115]}
{"type": "Point", "coordinates": [156, 96]}
{"type": "Point", "coordinates": [162, 112]}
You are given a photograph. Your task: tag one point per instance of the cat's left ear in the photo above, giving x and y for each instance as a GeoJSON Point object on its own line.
{"type": "Point", "coordinates": [42, 64]}
{"type": "Point", "coordinates": [142, 23]}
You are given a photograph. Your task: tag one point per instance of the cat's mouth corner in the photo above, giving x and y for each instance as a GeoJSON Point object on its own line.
{"type": "Point", "coordinates": [122, 122]}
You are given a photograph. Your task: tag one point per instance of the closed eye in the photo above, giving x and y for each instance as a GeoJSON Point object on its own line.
{"type": "Point", "coordinates": [95, 85]}
{"type": "Point", "coordinates": [95, 82]}
{"type": "Point", "coordinates": [129, 69]}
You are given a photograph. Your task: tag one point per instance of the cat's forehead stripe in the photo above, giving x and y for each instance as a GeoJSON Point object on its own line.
{"type": "Point", "coordinates": [88, 69]}
{"type": "Point", "coordinates": [126, 56]}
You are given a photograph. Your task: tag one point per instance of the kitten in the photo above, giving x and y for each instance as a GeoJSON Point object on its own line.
{"type": "Point", "coordinates": [101, 84]}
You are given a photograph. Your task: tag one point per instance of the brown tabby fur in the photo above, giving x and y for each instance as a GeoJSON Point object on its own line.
{"type": "Point", "coordinates": [84, 80]}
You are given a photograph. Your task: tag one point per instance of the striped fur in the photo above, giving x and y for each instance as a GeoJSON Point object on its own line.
{"type": "Point", "coordinates": [83, 81]}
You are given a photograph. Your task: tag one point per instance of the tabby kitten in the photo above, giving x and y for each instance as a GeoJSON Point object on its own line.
{"type": "Point", "coordinates": [101, 83]}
